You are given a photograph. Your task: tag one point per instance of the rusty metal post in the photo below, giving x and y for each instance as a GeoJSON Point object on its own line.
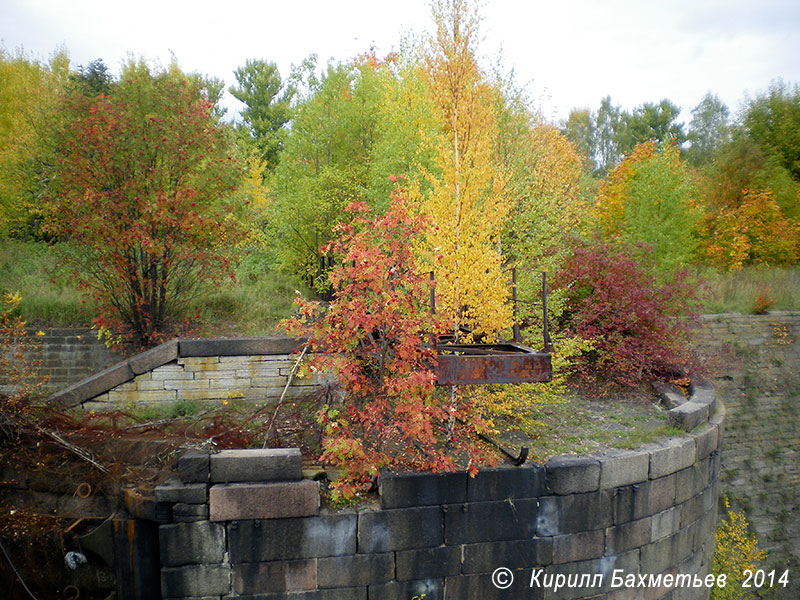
{"type": "Point", "coordinates": [548, 344]}
{"type": "Point", "coordinates": [433, 309]}
{"type": "Point", "coordinates": [517, 336]}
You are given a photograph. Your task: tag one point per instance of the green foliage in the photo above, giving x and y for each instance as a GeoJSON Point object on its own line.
{"type": "Point", "coordinates": [650, 198]}
{"type": "Point", "coordinates": [736, 551]}
{"type": "Point", "coordinates": [708, 130]}
{"type": "Point", "coordinates": [772, 121]}
{"type": "Point", "coordinates": [267, 107]}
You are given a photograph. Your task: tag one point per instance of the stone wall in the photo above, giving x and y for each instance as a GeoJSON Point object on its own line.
{"type": "Point", "coordinates": [245, 524]}
{"type": "Point", "coordinates": [758, 360]}
{"type": "Point", "coordinates": [198, 370]}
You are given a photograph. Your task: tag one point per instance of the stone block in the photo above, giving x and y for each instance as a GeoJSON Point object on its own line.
{"type": "Point", "coordinates": [691, 481]}
{"type": "Point", "coordinates": [237, 501]}
{"type": "Point", "coordinates": [688, 416]}
{"type": "Point", "coordinates": [623, 467]}
{"type": "Point", "coordinates": [671, 456]}
{"type": "Point", "coordinates": [481, 587]}
{"type": "Point", "coordinates": [174, 490]}
{"type": "Point", "coordinates": [182, 512]}
{"type": "Point", "coordinates": [280, 576]}
{"type": "Point", "coordinates": [156, 396]}
{"type": "Point", "coordinates": [196, 580]}
{"type": "Point", "coordinates": [400, 529]}
{"type": "Point", "coordinates": [186, 384]}
{"type": "Point", "coordinates": [188, 543]}
{"type": "Point", "coordinates": [240, 346]}
{"type": "Point", "coordinates": [705, 441]}
{"type": "Point", "coordinates": [269, 464]}
{"type": "Point", "coordinates": [360, 569]}
{"type": "Point", "coordinates": [352, 593]}
{"type": "Point", "coordinates": [194, 467]}
{"type": "Point", "coordinates": [665, 523]}
{"type": "Point", "coordinates": [154, 358]}
{"type": "Point", "coordinates": [579, 546]}
{"type": "Point", "coordinates": [428, 563]}
{"type": "Point", "coordinates": [283, 539]}
{"type": "Point", "coordinates": [421, 489]}
{"type": "Point", "coordinates": [490, 521]}
{"type": "Point", "coordinates": [506, 483]}
{"type": "Point", "coordinates": [171, 371]}
{"type": "Point", "coordinates": [628, 562]}
{"type": "Point", "coordinates": [644, 499]}
{"type": "Point", "coordinates": [429, 589]}
{"type": "Point", "coordinates": [518, 554]}
{"type": "Point", "coordinates": [627, 536]}
{"type": "Point", "coordinates": [572, 474]}
{"type": "Point", "coordinates": [570, 514]}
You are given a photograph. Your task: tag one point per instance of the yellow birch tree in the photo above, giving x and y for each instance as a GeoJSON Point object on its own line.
{"type": "Point", "coordinates": [466, 205]}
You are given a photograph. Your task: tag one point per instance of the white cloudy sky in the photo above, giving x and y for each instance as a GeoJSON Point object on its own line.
{"type": "Point", "coordinates": [570, 53]}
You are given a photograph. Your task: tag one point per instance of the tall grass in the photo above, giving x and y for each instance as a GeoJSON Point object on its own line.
{"type": "Point", "coordinates": [252, 305]}
{"type": "Point", "coordinates": [736, 291]}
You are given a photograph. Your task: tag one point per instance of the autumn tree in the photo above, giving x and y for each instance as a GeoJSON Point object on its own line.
{"type": "Point", "coordinates": [772, 121]}
{"type": "Point", "coordinates": [466, 204]}
{"type": "Point", "coordinates": [140, 188]}
{"type": "Point", "coordinates": [651, 198]}
{"type": "Point", "coordinates": [28, 100]}
{"type": "Point", "coordinates": [375, 338]}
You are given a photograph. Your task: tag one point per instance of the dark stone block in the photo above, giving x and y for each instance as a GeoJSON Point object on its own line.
{"type": "Point", "coordinates": [182, 512]}
{"type": "Point", "coordinates": [240, 346]}
{"type": "Point", "coordinates": [506, 483]}
{"type": "Point", "coordinates": [194, 467]}
{"type": "Point", "coordinates": [583, 545]}
{"type": "Point", "coordinates": [572, 474]}
{"type": "Point", "coordinates": [421, 489]}
{"type": "Point", "coordinates": [279, 576]}
{"type": "Point", "coordinates": [351, 593]}
{"type": "Point", "coordinates": [490, 521]}
{"type": "Point", "coordinates": [628, 536]}
{"type": "Point", "coordinates": [196, 580]}
{"type": "Point", "coordinates": [177, 491]}
{"type": "Point", "coordinates": [429, 589]}
{"type": "Point", "coordinates": [400, 529]}
{"type": "Point", "coordinates": [187, 543]}
{"type": "Point", "coordinates": [481, 587]}
{"type": "Point", "coordinates": [349, 571]}
{"type": "Point", "coordinates": [428, 563]}
{"type": "Point", "coordinates": [643, 500]}
{"type": "Point", "coordinates": [256, 464]}
{"type": "Point", "coordinates": [576, 512]}
{"type": "Point", "coordinates": [519, 554]}
{"type": "Point", "coordinates": [153, 358]}
{"type": "Point", "coordinates": [282, 539]}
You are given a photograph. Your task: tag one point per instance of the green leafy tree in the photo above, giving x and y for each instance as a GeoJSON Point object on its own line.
{"type": "Point", "coordinates": [609, 122]}
{"type": "Point", "coordinates": [268, 107]}
{"type": "Point", "coordinates": [650, 122]}
{"type": "Point", "coordinates": [580, 130]}
{"type": "Point", "coordinates": [325, 165]}
{"type": "Point", "coordinates": [651, 198]}
{"type": "Point", "coordinates": [140, 188]}
{"type": "Point", "coordinates": [29, 90]}
{"type": "Point", "coordinates": [772, 121]}
{"type": "Point", "coordinates": [708, 130]}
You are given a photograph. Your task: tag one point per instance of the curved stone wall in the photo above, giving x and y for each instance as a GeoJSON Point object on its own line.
{"type": "Point", "coordinates": [627, 524]}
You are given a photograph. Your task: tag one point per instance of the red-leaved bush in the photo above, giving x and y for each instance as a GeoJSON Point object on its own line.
{"type": "Point", "coordinates": [375, 337]}
{"type": "Point", "coordinates": [640, 329]}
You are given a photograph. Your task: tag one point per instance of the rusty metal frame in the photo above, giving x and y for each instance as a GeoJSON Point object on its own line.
{"type": "Point", "coordinates": [505, 362]}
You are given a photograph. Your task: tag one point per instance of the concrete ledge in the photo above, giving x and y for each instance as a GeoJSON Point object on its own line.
{"type": "Point", "coordinates": [93, 385]}
{"type": "Point", "coordinates": [239, 346]}
{"type": "Point", "coordinates": [154, 358]}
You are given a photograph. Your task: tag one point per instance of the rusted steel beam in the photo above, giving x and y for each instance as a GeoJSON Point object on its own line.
{"type": "Point", "coordinates": [465, 364]}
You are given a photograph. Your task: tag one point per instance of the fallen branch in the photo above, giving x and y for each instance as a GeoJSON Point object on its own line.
{"type": "Point", "coordinates": [283, 395]}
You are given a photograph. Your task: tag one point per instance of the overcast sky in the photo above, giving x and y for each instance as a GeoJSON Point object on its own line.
{"type": "Point", "coordinates": [569, 53]}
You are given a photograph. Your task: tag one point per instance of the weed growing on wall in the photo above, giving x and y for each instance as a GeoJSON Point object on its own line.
{"type": "Point", "coordinates": [737, 551]}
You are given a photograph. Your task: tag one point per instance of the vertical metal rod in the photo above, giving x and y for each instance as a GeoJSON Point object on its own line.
{"type": "Point", "coordinates": [548, 344]}
{"type": "Point", "coordinates": [517, 336]}
{"type": "Point", "coordinates": [433, 308]}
